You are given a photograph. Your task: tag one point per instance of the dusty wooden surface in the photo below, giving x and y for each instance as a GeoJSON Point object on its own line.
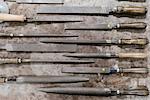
{"type": "Point", "coordinates": [28, 91]}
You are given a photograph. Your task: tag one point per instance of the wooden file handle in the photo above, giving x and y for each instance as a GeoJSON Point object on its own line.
{"type": "Point", "coordinates": [134, 41]}
{"type": "Point", "coordinates": [132, 55]}
{"type": "Point", "coordinates": [10, 17]}
{"type": "Point", "coordinates": [131, 10]}
{"type": "Point", "coordinates": [133, 25]}
{"type": "Point", "coordinates": [134, 70]}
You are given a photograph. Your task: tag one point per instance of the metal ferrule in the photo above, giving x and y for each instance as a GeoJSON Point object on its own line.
{"type": "Point", "coordinates": [19, 60]}
{"type": "Point", "coordinates": [10, 79]}
{"type": "Point", "coordinates": [108, 70]}
{"type": "Point", "coordinates": [117, 26]}
{"type": "Point", "coordinates": [115, 9]}
{"type": "Point", "coordinates": [118, 9]}
{"type": "Point", "coordinates": [3, 80]}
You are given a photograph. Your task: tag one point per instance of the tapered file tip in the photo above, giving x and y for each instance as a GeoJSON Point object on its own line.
{"type": "Point", "coordinates": [48, 90]}
{"type": "Point", "coordinates": [68, 55]}
{"type": "Point", "coordinates": [41, 89]}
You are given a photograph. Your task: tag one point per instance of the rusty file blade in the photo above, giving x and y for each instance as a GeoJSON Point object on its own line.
{"type": "Point", "coordinates": [78, 91]}
{"type": "Point", "coordinates": [83, 42]}
{"type": "Point", "coordinates": [43, 79]}
{"type": "Point", "coordinates": [36, 35]}
{"type": "Point", "coordinates": [58, 61]}
{"type": "Point", "coordinates": [38, 48]}
{"type": "Point", "coordinates": [50, 79]}
{"type": "Point", "coordinates": [38, 1]}
{"type": "Point", "coordinates": [83, 26]}
{"type": "Point", "coordinates": [72, 10]}
{"type": "Point", "coordinates": [79, 84]}
{"type": "Point", "coordinates": [61, 61]}
{"type": "Point", "coordinates": [57, 18]}
{"type": "Point", "coordinates": [83, 70]}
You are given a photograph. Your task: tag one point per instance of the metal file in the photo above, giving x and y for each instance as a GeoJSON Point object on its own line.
{"type": "Point", "coordinates": [106, 26]}
{"type": "Point", "coordinates": [22, 61]}
{"type": "Point", "coordinates": [139, 91]}
{"type": "Point", "coordinates": [99, 42]}
{"type": "Point", "coordinates": [43, 79]}
{"type": "Point", "coordinates": [131, 10]}
{"type": "Point", "coordinates": [33, 47]}
{"type": "Point", "coordinates": [36, 35]}
{"type": "Point", "coordinates": [107, 55]}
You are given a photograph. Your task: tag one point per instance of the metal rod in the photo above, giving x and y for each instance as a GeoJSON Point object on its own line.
{"type": "Point", "coordinates": [36, 35]}
{"type": "Point", "coordinates": [63, 61]}
{"type": "Point", "coordinates": [43, 79]}
{"type": "Point", "coordinates": [99, 42]}
{"type": "Point", "coordinates": [107, 55]}
{"type": "Point", "coordinates": [34, 47]}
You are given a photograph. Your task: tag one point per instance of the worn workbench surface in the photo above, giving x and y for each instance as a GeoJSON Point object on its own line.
{"type": "Point", "coordinates": [28, 91]}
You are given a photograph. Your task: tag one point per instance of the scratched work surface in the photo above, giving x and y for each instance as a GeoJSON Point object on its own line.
{"type": "Point", "coordinates": [28, 91]}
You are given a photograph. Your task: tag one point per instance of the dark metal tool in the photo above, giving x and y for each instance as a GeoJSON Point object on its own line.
{"type": "Point", "coordinates": [111, 70]}
{"type": "Point", "coordinates": [107, 55]}
{"type": "Point", "coordinates": [33, 47]}
{"type": "Point", "coordinates": [139, 91]}
{"type": "Point", "coordinates": [131, 10]}
{"type": "Point", "coordinates": [36, 35]}
{"type": "Point", "coordinates": [83, 26]}
{"type": "Point", "coordinates": [134, 0]}
{"type": "Point", "coordinates": [38, 1]}
{"type": "Point", "coordinates": [43, 79]}
{"type": "Point", "coordinates": [99, 42]}
{"type": "Point", "coordinates": [20, 61]}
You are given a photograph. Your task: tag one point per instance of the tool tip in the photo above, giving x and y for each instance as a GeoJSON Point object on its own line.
{"type": "Point", "coordinates": [41, 89]}
{"type": "Point", "coordinates": [48, 90]}
{"type": "Point", "coordinates": [69, 55]}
